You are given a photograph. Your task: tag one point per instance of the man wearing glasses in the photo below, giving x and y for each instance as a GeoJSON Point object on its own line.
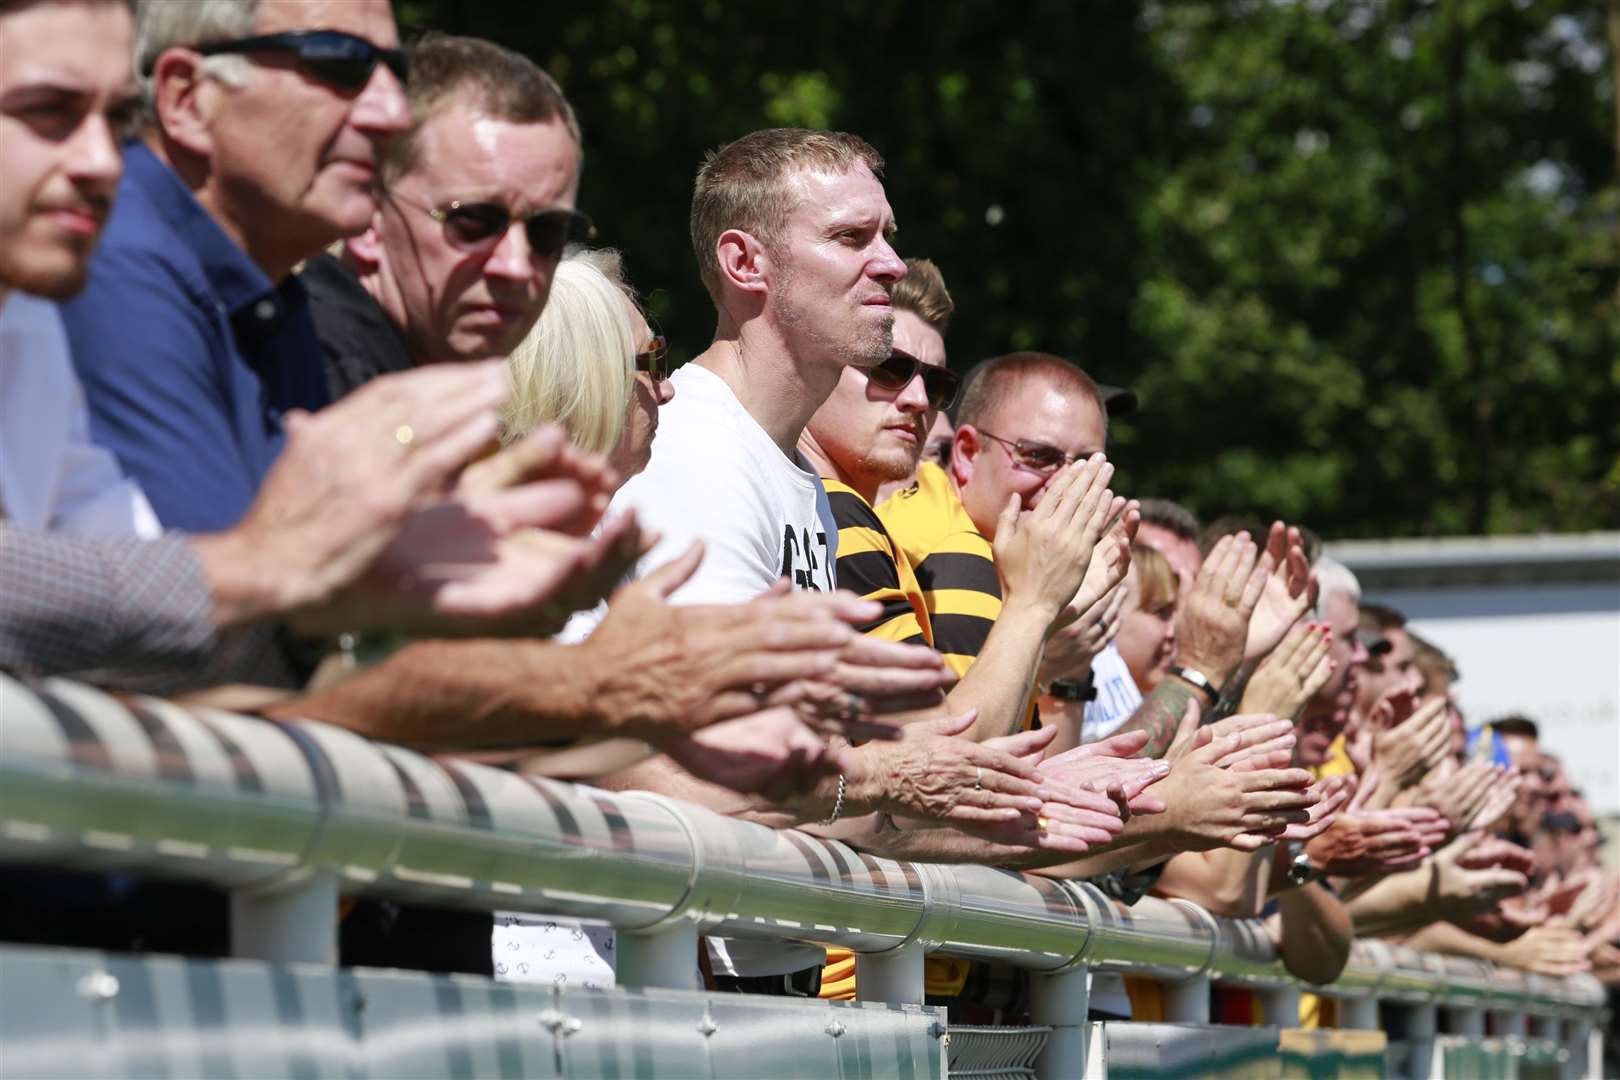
{"type": "Point", "coordinates": [871, 431]}
{"type": "Point", "coordinates": [262, 146]}
{"type": "Point", "coordinates": [477, 203]}
{"type": "Point", "coordinates": [1024, 417]}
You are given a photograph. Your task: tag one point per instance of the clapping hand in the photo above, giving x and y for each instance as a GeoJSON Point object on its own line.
{"type": "Point", "coordinates": [1290, 591]}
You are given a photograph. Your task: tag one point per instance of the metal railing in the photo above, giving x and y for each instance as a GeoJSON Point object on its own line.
{"type": "Point", "coordinates": [288, 816]}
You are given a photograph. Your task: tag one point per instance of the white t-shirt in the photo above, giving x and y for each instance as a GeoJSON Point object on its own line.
{"type": "Point", "coordinates": [716, 475]}
{"type": "Point", "coordinates": [52, 477]}
{"type": "Point", "coordinates": [1117, 696]}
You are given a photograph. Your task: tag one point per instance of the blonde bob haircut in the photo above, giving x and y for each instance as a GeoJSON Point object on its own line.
{"type": "Point", "coordinates": [576, 367]}
{"type": "Point", "coordinates": [1157, 582]}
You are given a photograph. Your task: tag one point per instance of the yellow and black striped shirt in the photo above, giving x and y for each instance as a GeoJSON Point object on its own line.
{"type": "Point", "coordinates": [953, 562]}
{"type": "Point", "coordinates": [870, 563]}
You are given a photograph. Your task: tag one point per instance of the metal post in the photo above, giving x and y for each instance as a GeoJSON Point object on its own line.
{"type": "Point", "coordinates": [1422, 1050]}
{"type": "Point", "coordinates": [895, 976]}
{"type": "Point", "coordinates": [1187, 1002]}
{"type": "Point", "coordinates": [1061, 1001]}
{"type": "Point", "coordinates": [666, 957]}
{"type": "Point", "coordinates": [1461, 1020]}
{"type": "Point", "coordinates": [1510, 1023]}
{"type": "Point", "coordinates": [1359, 1013]}
{"type": "Point", "coordinates": [1281, 1006]}
{"type": "Point", "coordinates": [294, 922]}
{"type": "Point", "coordinates": [1590, 1038]}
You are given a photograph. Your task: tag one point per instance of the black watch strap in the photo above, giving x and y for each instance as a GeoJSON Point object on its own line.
{"type": "Point", "coordinates": [1074, 689]}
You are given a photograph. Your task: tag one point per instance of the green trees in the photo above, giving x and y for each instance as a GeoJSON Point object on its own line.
{"type": "Point", "coordinates": [1361, 259]}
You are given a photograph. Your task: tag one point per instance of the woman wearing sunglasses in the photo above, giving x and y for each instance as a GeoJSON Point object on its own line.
{"type": "Point", "coordinates": [592, 364]}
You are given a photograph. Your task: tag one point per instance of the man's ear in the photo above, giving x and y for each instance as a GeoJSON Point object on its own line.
{"type": "Point", "coordinates": [744, 262]}
{"type": "Point", "coordinates": [363, 254]}
{"type": "Point", "coordinates": [184, 98]}
{"type": "Point", "coordinates": [965, 447]}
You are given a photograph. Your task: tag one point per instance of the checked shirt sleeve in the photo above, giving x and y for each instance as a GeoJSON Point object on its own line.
{"type": "Point", "coordinates": [71, 604]}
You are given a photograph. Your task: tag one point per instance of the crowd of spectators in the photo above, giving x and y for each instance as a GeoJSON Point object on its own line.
{"type": "Point", "coordinates": [319, 403]}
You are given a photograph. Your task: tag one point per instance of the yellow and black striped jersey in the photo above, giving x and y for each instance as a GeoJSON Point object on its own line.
{"type": "Point", "coordinates": [953, 562]}
{"type": "Point", "coordinates": [870, 563]}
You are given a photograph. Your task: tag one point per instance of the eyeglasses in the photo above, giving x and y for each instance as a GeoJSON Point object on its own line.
{"type": "Point", "coordinates": [654, 360]}
{"type": "Point", "coordinates": [900, 368]}
{"type": "Point", "coordinates": [479, 226]}
{"type": "Point", "coordinates": [346, 61]}
{"type": "Point", "coordinates": [1034, 456]}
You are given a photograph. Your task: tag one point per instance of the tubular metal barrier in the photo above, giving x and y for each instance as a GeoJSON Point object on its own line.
{"type": "Point", "coordinates": [289, 816]}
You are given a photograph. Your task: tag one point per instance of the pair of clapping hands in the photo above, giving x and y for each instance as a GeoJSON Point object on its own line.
{"type": "Point", "coordinates": [1244, 607]}
{"type": "Point", "coordinates": [1225, 785]}
{"type": "Point", "coordinates": [376, 517]}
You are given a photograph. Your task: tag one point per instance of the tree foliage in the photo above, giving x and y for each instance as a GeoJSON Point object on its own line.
{"type": "Point", "coordinates": [1359, 258]}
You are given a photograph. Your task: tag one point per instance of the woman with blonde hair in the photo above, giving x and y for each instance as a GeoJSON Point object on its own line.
{"type": "Point", "coordinates": [1147, 627]}
{"type": "Point", "coordinates": [591, 364]}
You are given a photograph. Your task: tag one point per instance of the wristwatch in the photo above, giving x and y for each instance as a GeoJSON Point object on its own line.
{"type": "Point", "coordinates": [1073, 689]}
{"type": "Point", "coordinates": [1198, 680]}
{"type": "Point", "coordinates": [1300, 870]}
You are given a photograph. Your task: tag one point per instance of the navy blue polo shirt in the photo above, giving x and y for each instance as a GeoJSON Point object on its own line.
{"type": "Point", "coordinates": [188, 352]}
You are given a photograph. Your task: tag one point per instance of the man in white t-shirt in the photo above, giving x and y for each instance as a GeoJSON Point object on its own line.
{"type": "Point", "coordinates": [792, 230]}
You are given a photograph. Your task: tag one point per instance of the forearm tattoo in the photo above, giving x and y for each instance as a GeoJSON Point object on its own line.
{"type": "Point", "coordinates": [1159, 715]}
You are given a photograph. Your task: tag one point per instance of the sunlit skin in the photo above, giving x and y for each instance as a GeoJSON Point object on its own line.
{"type": "Point", "coordinates": [1183, 555]}
{"type": "Point", "coordinates": [936, 448]}
{"type": "Point", "coordinates": [1034, 409]}
{"type": "Point", "coordinates": [67, 91]}
{"type": "Point", "coordinates": [1394, 670]}
{"type": "Point", "coordinates": [796, 312]}
{"type": "Point", "coordinates": [1525, 753]}
{"type": "Point", "coordinates": [1147, 636]}
{"type": "Point", "coordinates": [1327, 713]}
{"type": "Point", "coordinates": [451, 303]}
{"type": "Point", "coordinates": [641, 420]}
{"type": "Point", "coordinates": [285, 163]}
{"type": "Point", "coordinates": [865, 435]}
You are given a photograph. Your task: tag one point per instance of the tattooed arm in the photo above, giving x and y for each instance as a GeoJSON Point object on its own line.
{"type": "Point", "coordinates": [1211, 630]}
{"type": "Point", "coordinates": [1160, 714]}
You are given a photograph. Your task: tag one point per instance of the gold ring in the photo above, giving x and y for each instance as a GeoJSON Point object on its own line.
{"type": "Point", "coordinates": [405, 435]}
{"type": "Point", "coordinates": [1040, 824]}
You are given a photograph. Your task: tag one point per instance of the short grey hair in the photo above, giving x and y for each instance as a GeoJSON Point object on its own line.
{"type": "Point", "coordinates": [1332, 577]}
{"type": "Point", "coordinates": [163, 24]}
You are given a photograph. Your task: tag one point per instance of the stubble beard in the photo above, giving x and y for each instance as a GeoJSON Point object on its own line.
{"type": "Point", "coordinates": [861, 349]}
{"type": "Point", "coordinates": [885, 466]}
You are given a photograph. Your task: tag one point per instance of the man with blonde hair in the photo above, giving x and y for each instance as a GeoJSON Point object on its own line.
{"type": "Point", "coordinates": [791, 230]}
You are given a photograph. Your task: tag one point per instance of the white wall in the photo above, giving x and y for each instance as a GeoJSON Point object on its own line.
{"type": "Point", "coordinates": [1550, 651]}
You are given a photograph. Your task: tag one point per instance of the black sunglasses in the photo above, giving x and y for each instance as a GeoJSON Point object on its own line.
{"type": "Point", "coordinates": [654, 360]}
{"type": "Point", "coordinates": [479, 226]}
{"type": "Point", "coordinates": [346, 61]}
{"type": "Point", "coordinates": [900, 368]}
